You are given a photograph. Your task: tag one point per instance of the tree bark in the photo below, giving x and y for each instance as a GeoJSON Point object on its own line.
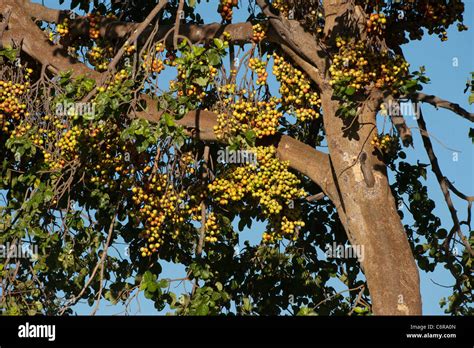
{"type": "Point", "coordinates": [369, 214]}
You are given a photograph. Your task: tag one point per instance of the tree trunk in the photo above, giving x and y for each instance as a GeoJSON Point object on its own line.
{"type": "Point", "coordinates": [369, 214]}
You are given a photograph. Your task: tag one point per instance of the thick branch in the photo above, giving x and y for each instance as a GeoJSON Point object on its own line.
{"type": "Point", "coordinates": [298, 40]}
{"type": "Point", "coordinates": [342, 17]}
{"type": "Point", "coordinates": [36, 44]}
{"type": "Point", "coordinates": [445, 104]}
{"type": "Point", "coordinates": [109, 29]}
{"type": "Point", "coordinates": [403, 130]}
{"type": "Point", "coordinates": [43, 13]}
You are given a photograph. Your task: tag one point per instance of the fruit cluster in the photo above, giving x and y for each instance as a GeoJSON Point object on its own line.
{"type": "Point", "coordinates": [187, 163]}
{"type": "Point", "coordinates": [94, 25]}
{"type": "Point", "coordinates": [11, 106]}
{"type": "Point", "coordinates": [99, 57]}
{"type": "Point", "coordinates": [268, 184]}
{"type": "Point", "coordinates": [437, 16]}
{"type": "Point", "coordinates": [68, 142]}
{"type": "Point", "coordinates": [116, 84]}
{"type": "Point", "coordinates": [283, 6]}
{"type": "Point", "coordinates": [63, 28]}
{"type": "Point", "coordinates": [225, 9]}
{"type": "Point", "coordinates": [129, 49]}
{"type": "Point", "coordinates": [212, 228]}
{"type": "Point", "coordinates": [158, 205]}
{"type": "Point", "coordinates": [306, 12]}
{"type": "Point", "coordinates": [295, 90]}
{"type": "Point", "coordinates": [260, 67]}
{"type": "Point", "coordinates": [154, 63]}
{"type": "Point", "coordinates": [103, 145]}
{"type": "Point", "coordinates": [386, 143]}
{"type": "Point", "coordinates": [286, 226]}
{"type": "Point", "coordinates": [262, 117]}
{"type": "Point", "coordinates": [170, 58]}
{"type": "Point", "coordinates": [376, 23]}
{"type": "Point", "coordinates": [258, 33]}
{"type": "Point", "coordinates": [40, 137]}
{"type": "Point", "coordinates": [356, 67]}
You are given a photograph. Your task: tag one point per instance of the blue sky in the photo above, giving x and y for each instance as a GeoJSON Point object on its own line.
{"type": "Point", "coordinates": [448, 65]}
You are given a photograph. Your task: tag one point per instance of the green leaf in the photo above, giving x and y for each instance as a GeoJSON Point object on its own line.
{"type": "Point", "coordinates": [247, 306]}
{"type": "Point", "coordinates": [219, 43]}
{"type": "Point", "coordinates": [88, 84]}
{"type": "Point", "coordinates": [148, 295]}
{"type": "Point", "coordinates": [250, 136]}
{"type": "Point", "coordinates": [114, 104]}
{"type": "Point", "coordinates": [202, 309]}
{"type": "Point", "coordinates": [350, 90]}
{"type": "Point", "coordinates": [360, 310]}
{"type": "Point", "coordinates": [205, 274]}
{"type": "Point", "coordinates": [147, 277]}
{"type": "Point", "coordinates": [213, 57]}
{"type": "Point", "coordinates": [219, 286]}
{"type": "Point", "coordinates": [152, 287]}
{"type": "Point", "coordinates": [198, 50]}
{"type": "Point", "coordinates": [168, 120]}
{"type": "Point", "coordinates": [9, 53]}
{"type": "Point", "coordinates": [163, 283]}
{"type": "Point", "coordinates": [202, 81]}
{"type": "Point", "coordinates": [304, 311]}
{"type": "Point", "coordinates": [410, 84]}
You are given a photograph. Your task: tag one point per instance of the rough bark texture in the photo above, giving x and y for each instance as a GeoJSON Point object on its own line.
{"type": "Point", "coordinates": [372, 220]}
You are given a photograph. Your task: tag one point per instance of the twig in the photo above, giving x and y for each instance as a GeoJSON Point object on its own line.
{"type": "Point", "coordinates": [203, 204]}
{"type": "Point", "coordinates": [177, 23]}
{"type": "Point", "coordinates": [316, 197]}
{"type": "Point", "coordinates": [335, 295]}
{"type": "Point", "coordinates": [358, 300]}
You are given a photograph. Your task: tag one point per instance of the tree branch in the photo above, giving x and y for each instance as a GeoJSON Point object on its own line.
{"type": "Point", "coordinates": [442, 181]}
{"type": "Point", "coordinates": [43, 13]}
{"type": "Point", "coordinates": [35, 43]}
{"type": "Point", "coordinates": [445, 104]}
{"type": "Point", "coordinates": [299, 41]}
